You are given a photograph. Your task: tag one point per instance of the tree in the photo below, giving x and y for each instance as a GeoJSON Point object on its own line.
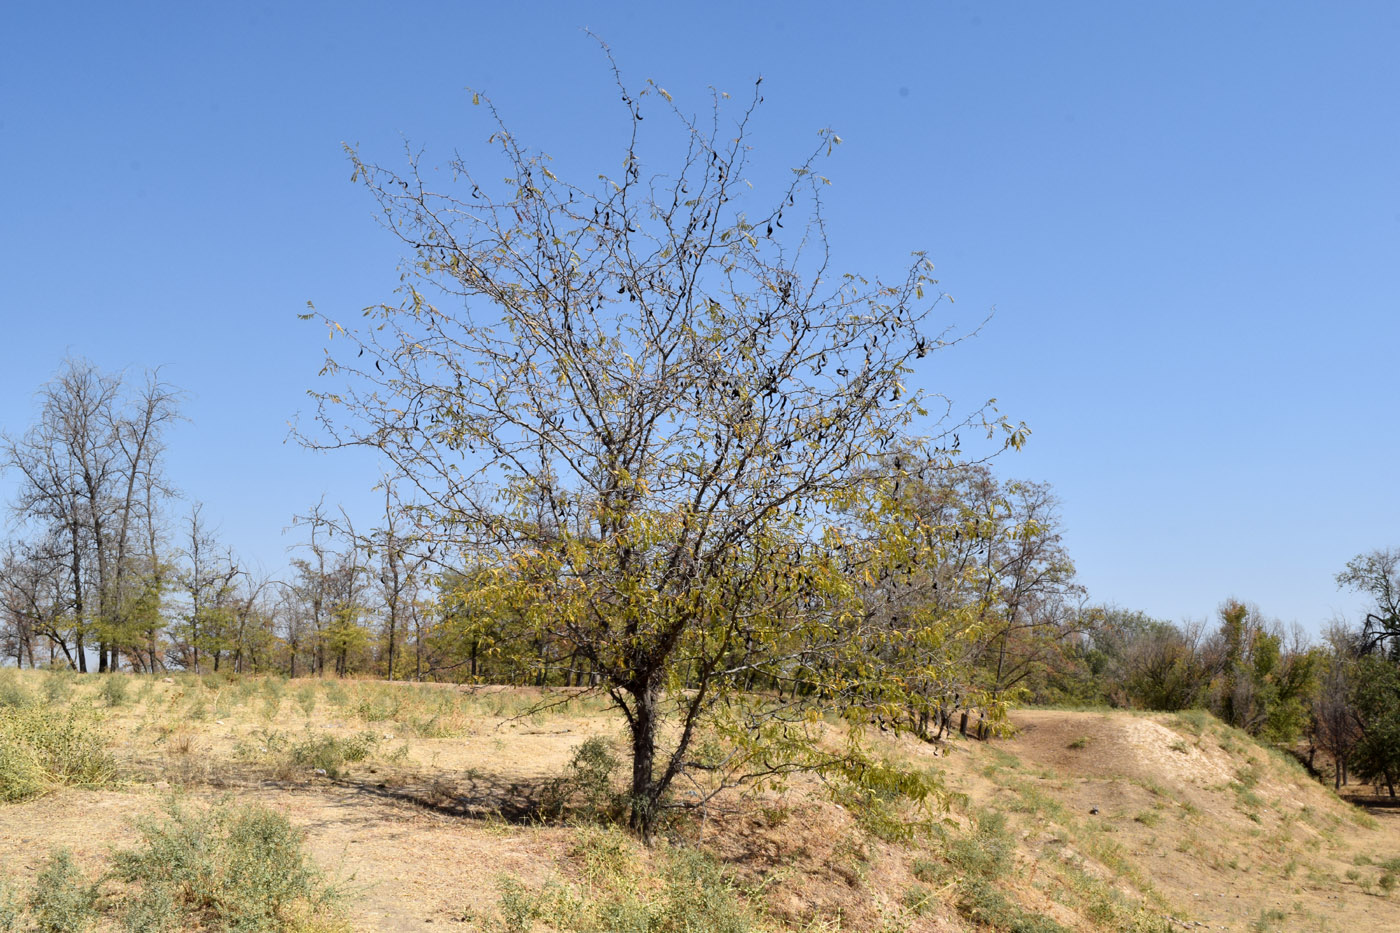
{"type": "Point", "coordinates": [89, 473]}
{"type": "Point", "coordinates": [1377, 574]}
{"type": "Point", "coordinates": [1375, 702]}
{"type": "Point", "coordinates": [636, 403]}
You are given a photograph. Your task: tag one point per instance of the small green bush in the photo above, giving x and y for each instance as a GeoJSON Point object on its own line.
{"type": "Point", "coordinates": [41, 748]}
{"type": "Point", "coordinates": [63, 901]}
{"type": "Point", "coordinates": [306, 699]}
{"type": "Point", "coordinates": [10, 908]}
{"type": "Point", "coordinates": [690, 893]}
{"type": "Point", "coordinates": [114, 690]}
{"type": "Point", "coordinates": [330, 754]}
{"type": "Point", "coordinates": [585, 790]}
{"type": "Point", "coordinates": [58, 686]}
{"type": "Point", "coordinates": [232, 869]}
{"type": "Point", "coordinates": [13, 693]}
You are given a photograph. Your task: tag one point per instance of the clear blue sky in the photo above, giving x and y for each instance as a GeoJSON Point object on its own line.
{"type": "Point", "coordinates": [1187, 216]}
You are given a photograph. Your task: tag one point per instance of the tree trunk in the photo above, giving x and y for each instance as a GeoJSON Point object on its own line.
{"type": "Point", "coordinates": [645, 794]}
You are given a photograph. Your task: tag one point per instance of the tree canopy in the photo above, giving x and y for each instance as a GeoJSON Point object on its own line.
{"type": "Point", "coordinates": [634, 405]}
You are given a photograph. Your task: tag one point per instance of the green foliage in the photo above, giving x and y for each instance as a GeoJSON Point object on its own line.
{"type": "Point", "coordinates": [889, 801]}
{"type": "Point", "coordinates": [62, 900]}
{"type": "Point", "coordinates": [42, 748]}
{"type": "Point", "coordinates": [585, 790]}
{"type": "Point", "coordinates": [114, 690]}
{"type": "Point", "coordinates": [977, 865]}
{"type": "Point", "coordinates": [232, 869]}
{"type": "Point", "coordinates": [10, 907]}
{"type": "Point", "coordinates": [330, 753]}
{"type": "Point", "coordinates": [58, 686]}
{"type": "Point", "coordinates": [684, 892]}
{"type": "Point", "coordinates": [1375, 696]}
{"type": "Point", "coordinates": [13, 694]}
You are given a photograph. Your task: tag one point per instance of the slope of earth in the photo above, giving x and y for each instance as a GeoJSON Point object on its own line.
{"type": "Point", "coordinates": [427, 804]}
{"type": "Point", "coordinates": [1225, 832]}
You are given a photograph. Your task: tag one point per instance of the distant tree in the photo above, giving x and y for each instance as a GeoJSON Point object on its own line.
{"type": "Point", "coordinates": [1375, 703]}
{"type": "Point", "coordinates": [1377, 575]}
{"type": "Point", "coordinates": [1263, 686]}
{"type": "Point", "coordinates": [635, 402]}
{"type": "Point", "coordinates": [1162, 666]}
{"type": "Point", "coordinates": [89, 477]}
{"type": "Point", "coordinates": [1333, 723]}
{"type": "Point", "coordinates": [208, 575]}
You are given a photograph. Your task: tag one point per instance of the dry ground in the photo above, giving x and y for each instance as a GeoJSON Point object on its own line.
{"type": "Point", "coordinates": [1196, 827]}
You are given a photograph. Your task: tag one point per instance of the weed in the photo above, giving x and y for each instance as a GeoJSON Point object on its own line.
{"type": "Point", "coordinates": [379, 707]}
{"type": "Point", "coordinates": [306, 699]}
{"type": "Point", "coordinates": [62, 900]}
{"type": "Point", "coordinates": [689, 893]}
{"type": "Point", "coordinates": [58, 686]}
{"type": "Point", "coordinates": [1269, 920]}
{"type": "Point", "coordinates": [1081, 742]}
{"type": "Point", "coordinates": [238, 869]}
{"type": "Point", "coordinates": [589, 781]}
{"type": "Point", "coordinates": [917, 899]}
{"type": "Point", "coordinates": [1195, 721]}
{"type": "Point", "coordinates": [13, 694]}
{"type": "Point", "coordinates": [926, 870]}
{"type": "Point", "coordinates": [42, 748]}
{"type": "Point", "coordinates": [115, 690]}
{"type": "Point", "coordinates": [10, 908]}
{"type": "Point", "coordinates": [330, 754]}
{"type": "Point", "coordinates": [1148, 818]}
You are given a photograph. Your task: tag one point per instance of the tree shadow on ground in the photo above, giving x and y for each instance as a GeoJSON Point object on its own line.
{"type": "Point", "coordinates": [468, 794]}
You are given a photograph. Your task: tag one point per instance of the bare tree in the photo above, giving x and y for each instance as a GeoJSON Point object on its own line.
{"type": "Point", "coordinates": [1377, 574]}
{"type": "Point", "coordinates": [636, 401]}
{"type": "Point", "coordinates": [88, 468]}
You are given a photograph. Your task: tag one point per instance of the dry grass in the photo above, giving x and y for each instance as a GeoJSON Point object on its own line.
{"type": "Point", "coordinates": [436, 801]}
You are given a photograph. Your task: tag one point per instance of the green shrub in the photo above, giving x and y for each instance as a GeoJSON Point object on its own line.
{"type": "Point", "coordinates": [239, 869]}
{"type": "Point", "coordinates": [41, 748]}
{"type": "Point", "coordinates": [13, 693]}
{"type": "Point", "coordinates": [62, 900]}
{"type": "Point", "coordinates": [690, 893]}
{"type": "Point", "coordinates": [379, 706]}
{"type": "Point", "coordinates": [114, 690]}
{"type": "Point", "coordinates": [306, 699]}
{"type": "Point", "coordinates": [330, 754]}
{"type": "Point", "coordinates": [585, 790]}
{"type": "Point", "coordinates": [58, 686]}
{"type": "Point", "coordinates": [10, 908]}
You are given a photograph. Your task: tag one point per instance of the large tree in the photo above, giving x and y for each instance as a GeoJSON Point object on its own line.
{"type": "Point", "coordinates": [89, 478]}
{"type": "Point", "coordinates": [633, 403]}
{"type": "Point", "coordinates": [1377, 574]}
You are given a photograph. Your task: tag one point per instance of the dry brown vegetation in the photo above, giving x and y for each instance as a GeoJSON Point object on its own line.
{"type": "Point", "coordinates": [431, 805]}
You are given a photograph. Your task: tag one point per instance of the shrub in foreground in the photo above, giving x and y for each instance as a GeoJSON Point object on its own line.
{"type": "Point", "coordinates": [238, 869]}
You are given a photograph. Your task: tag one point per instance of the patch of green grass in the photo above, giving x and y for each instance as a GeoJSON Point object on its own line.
{"type": "Point", "coordinates": [684, 891]}
{"type": "Point", "coordinates": [1269, 920]}
{"type": "Point", "coordinates": [1081, 742]}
